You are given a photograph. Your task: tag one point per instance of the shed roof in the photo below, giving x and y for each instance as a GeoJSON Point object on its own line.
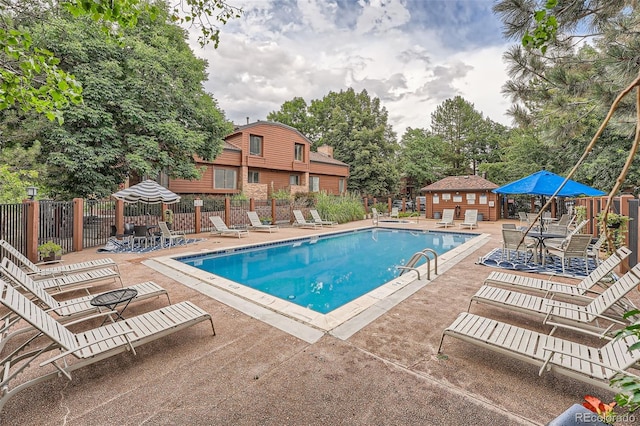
{"type": "Point", "coordinates": [318, 157]}
{"type": "Point", "coordinates": [461, 183]}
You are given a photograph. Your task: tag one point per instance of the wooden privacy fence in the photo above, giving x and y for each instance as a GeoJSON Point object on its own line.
{"type": "Point", "coordinates": [625, 205]}
{"type": "Point", "coordinates": [79, 224]}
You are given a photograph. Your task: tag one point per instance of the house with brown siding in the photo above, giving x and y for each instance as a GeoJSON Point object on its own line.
{"type": "Point", "coordinates": [462, 193]}
{"type": "Point", "coordinates": [263, 157]}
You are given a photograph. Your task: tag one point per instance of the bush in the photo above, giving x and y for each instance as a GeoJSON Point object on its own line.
{"type": "Point", "coordinates": [339, 208]}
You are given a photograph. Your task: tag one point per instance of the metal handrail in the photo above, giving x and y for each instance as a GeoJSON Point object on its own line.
{"type": "Point", "coordinates": [410, 265]}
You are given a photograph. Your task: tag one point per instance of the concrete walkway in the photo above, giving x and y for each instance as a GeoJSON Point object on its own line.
{"type": "Point", "coordinates": [252, 373]}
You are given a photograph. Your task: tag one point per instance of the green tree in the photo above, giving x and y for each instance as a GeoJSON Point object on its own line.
{"type": "Point", "coordinates": [144, 109]}
{"type": "Point", "coordinates": [462, 128]}
{"type": "Point", "coordinates": [421, 157]}
{"type": "Point", "coordinates": [567, 91]}
{"type": "Point", "coordinates": [31, 76]}
{"type": "Point", "coordinates": [357, 128]}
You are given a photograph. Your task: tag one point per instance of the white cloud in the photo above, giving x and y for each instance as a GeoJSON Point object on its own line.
{"type": "Point", "coordinates": [407, 53]}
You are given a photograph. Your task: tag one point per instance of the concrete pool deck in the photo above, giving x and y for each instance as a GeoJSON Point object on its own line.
{"type": "Point", "coordinates": [253, 372]}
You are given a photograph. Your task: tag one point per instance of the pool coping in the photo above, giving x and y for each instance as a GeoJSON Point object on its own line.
{"type": "Point", "coordinates": [299, 321]}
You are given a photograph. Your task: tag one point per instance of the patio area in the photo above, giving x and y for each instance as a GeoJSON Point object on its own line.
{"type": "Point", "coordinates": [254, 373]}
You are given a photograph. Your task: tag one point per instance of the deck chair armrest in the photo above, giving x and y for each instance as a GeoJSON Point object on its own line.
{"type": "Point", "coordinates": [86, 345]}
{"type": "Point", "coordinates": [92, 316]}
{"type": "Point", "coordinates": [557, 305]}
{"type": "Point", "coordinates": [590, 361]}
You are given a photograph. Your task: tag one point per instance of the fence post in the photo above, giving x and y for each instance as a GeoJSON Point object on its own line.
{"type": "Point", "coordinates": [227, 211]}
{"type": "Point", "coordinates": [389, 205]}
{"type": "Point", "coordinates": [252, 204]}
{"type": "Point", "coordinates": [197, 217]}
{"type": "Point", "coordinates": [32, 208]}
{"type": "Point", "coordinates": [366, 205]}
{"type": "Point", "coordinates": [634, 227]}
{"type": "Point", "coordinates": [273, 211]}
{"type": "Point", "coordinates": [78, 224]}
{"type": "Point", "coordinates": [119, 217]}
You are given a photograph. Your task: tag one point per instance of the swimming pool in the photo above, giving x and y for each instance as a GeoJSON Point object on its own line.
{"type": "Point", "coordinates": [324, 273]}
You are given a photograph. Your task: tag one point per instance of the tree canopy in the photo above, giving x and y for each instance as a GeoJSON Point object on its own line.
{"type": "Point", "coordinates": [31, 76]}
{"type": "Point", "coordinates": [144, 109]}
{"type": "Point", "coordinates": [357, 128]}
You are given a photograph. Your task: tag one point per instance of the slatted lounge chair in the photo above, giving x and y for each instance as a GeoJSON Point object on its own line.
{"type": "Point", "coordinates": [80, 349]}
{"type": "Point", "coordinates": [593, 365]}
{"type": "Point", "coordinates": [581, 291]}
{"type": "Point", "coordinates": [394, 213]}
{"type": "Point", "coordinates": [375, 213]}
{"type": "Point", "coordinates": [257, 225]}
{"type": "Point", "coordinates": [317, 219]}
{"type": "Point", "coordinates": [301, 222]}
{"type": "Point", "coordinates": [220, 228]}
{"type": "Point", "coordinates": [7, 250]}
{"type": "Point", "coordinates": [168, 236]}
{"type": "Point", "coordinates": [579, 317]}
{"type": "Point", "coordinates": [470, 219]}
{"type": "Point", "coordinates": [78, 281]}
{"type": "Point", "coordinates": [447, 218]}
{"type": "Point", "coordinates": [67, 310]}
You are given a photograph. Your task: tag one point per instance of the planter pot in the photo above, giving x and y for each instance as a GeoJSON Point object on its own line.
{"type": "Point", "coordinates": [437, 215]}
{"type": "Point", "coordinates": [613, 226]}
{"type": "Point", "coordinates": [52, 258]}
{"type": "Point", "coordinates": [480, 217]}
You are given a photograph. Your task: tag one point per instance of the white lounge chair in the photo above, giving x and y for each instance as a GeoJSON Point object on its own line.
{"type": "Point", "coordinates": [80, 280]}
{"type": "Point", "coordinates": [67, 310]}
{"type": "Point", "coordinates": [257, 225]}
{"type": "Point", "coordinates": [394, 213]}
{"type": "Point", "coordinates": [470, 219]}
{"type": "Point", "coordinates": [7, 250]}
{"type": "Point", "coordinates": [447, 218]}
{"type": "Point", "coordinates": [220, 228]}
{"type": "Point", "coordinates": [593, 365]}
{"type": "Point", "coordinates": [168, 236]}
{"type": "Point", "coordinates": [579, 317]}
{"type": "Point", "coordinates": [580, 291]}
{"type": "Point", "coordinates": [301, 222]}
{"type": "Point", "coordinates": [317, 219]}
{"type": "Point", "coordinates": [80, 349]}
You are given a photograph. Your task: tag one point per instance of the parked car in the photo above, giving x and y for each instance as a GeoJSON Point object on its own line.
{"type": "Point", "coordinates": [409, 204]}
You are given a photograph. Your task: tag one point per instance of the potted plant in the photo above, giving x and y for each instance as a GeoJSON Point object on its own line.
{"type": "Point", "coordinates": [50, 251]}
{"type": "Point", "coordinates": [168, 217]}
{"type": "Point", "coordinates": [266, 220]}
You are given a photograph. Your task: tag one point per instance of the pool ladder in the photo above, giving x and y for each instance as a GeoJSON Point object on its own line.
{"type": "Point", "coordinates": [411, 264]}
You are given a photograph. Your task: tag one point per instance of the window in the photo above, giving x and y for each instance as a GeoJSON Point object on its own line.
{"type": "Point", "coordinates": [314, 184]}
{"type": "Point", "coordinates": [341, 186]}
{"type": "Point", "coordinates": [224, 179]}
{"type": "Point", "coordinates": [298, 153]}
{"type": "Point", "coordinates": [294, 180]}
{"type": "Point", "coordinates": [254, 177]}
{"type": "Point", "coordinates": [255, 145]}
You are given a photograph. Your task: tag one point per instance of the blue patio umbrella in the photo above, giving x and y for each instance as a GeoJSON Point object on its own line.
{"type": "Point", "coordinates": [545, 183]}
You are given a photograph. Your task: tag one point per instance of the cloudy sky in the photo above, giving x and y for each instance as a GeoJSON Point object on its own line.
{"type": "Point", "coordinates": [411, 54]}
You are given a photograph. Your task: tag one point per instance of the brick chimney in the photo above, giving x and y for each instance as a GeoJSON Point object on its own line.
{"type": "Point", "coordinates": [326, 150]}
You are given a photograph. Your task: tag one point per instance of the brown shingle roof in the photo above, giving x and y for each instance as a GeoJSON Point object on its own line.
{"type": "Point", "coordinates": [460, 183]}
{"type": "Point", "coordinates": [318, 157]}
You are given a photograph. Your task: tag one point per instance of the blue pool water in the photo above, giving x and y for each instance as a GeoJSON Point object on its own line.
{"type": "Point", "coordinates": [326, 272]}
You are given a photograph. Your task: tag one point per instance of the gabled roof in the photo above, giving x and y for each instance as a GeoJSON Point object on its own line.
{"type": "Point", "coordinates": [241, 129]}
{"type": "Point", "coordinates": [461, 183]}
{"type": "Point", "coordinates": [318, 157]}
{"type": "Point", "coordinates": [231, 147]}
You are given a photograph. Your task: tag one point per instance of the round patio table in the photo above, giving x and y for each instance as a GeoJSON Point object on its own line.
{"type": "Point", "coordinates": [541, 237]}
{"type": "Point", "coordinates": [112, 299]}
